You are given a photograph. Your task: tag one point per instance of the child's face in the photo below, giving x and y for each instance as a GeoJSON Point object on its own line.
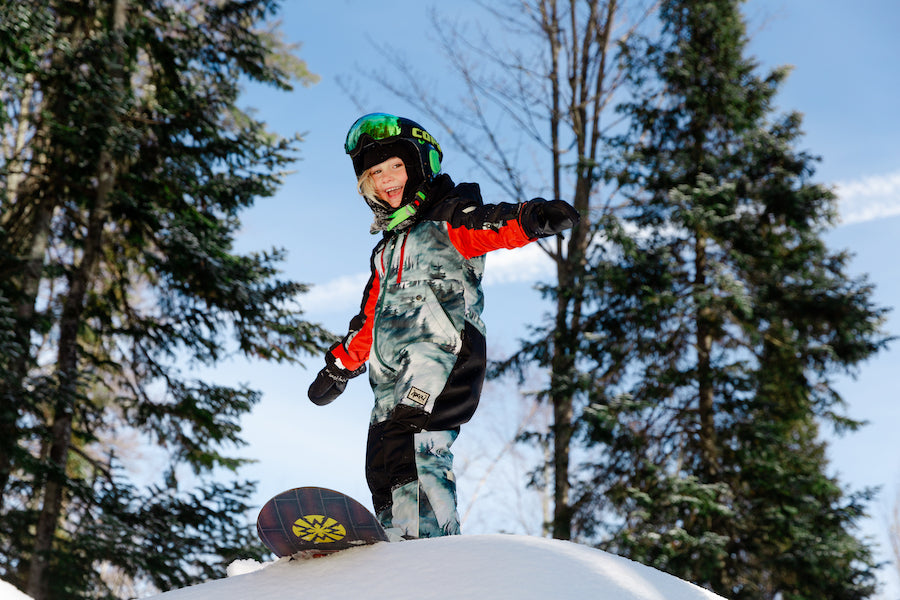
{"type": "Point", "coordinates": [389, 178]}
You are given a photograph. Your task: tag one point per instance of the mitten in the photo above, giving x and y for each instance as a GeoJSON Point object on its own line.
{"type": "Point", "coordinates": [331, 381]}
{"type": "Point", "coordinates": [541, 218]}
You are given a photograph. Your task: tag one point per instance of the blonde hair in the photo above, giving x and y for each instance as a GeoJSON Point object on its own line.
{"type": "Point", "coordinates": [365, 185]}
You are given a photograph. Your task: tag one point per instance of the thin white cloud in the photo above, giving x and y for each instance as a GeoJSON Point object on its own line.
{"type": "Point", "coordinates": [859, 200]}
{"type": "Point", "coordinates": [869, 198]}
{"type": "Point", "coordinates": [338, 294]}
{"type": "Point", "coordinates": [528, 264]}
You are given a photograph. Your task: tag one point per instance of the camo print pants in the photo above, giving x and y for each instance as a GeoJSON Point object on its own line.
{"type": "Point", "coordinates": [411, 478]}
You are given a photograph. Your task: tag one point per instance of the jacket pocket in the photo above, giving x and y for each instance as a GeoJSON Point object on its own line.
{"type": "Point", "coordinates": [413, 314]}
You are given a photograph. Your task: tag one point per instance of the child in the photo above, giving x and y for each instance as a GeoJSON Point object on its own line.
{"type": "Point", "coordinates": [420, 326]}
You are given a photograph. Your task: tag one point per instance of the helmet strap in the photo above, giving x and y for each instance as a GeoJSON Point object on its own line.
{"type": "Point", "coordinates": [404, 212]}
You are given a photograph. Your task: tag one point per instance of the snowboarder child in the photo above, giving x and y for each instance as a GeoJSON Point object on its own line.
{"type": "Point", "coordinates": [420, 326]}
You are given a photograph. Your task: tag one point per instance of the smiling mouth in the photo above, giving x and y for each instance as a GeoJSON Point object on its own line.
{"type": "Point", "coordinates": [393, 190]}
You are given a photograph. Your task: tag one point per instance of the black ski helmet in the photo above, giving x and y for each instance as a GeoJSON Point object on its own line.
{"type": "Point", "coordinates": [376, 137]}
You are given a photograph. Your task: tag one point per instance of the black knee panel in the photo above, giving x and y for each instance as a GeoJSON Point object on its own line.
{"type": "Point", "coordinates": [390, 461]}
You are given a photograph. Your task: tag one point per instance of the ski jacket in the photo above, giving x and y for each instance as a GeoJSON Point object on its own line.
{"type": "Point", "coordinates": [424, 296]}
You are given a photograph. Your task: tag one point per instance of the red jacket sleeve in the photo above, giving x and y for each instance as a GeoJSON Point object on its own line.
{"type": "Point", "coordinates": [475, 242]}
{"type": "Point", "coordinates": [477, 229]}
{"type": "Point", "coordinates": [355, 348]}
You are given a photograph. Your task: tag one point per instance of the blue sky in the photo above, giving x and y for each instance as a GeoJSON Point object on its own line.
{"type": "Point", "coordinates": [845, 81]}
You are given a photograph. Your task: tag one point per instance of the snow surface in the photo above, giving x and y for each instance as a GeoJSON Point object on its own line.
{"type": "Point", "coordinates": [496, 567]}
{"type": "Point", "coordinates": [9, 592]}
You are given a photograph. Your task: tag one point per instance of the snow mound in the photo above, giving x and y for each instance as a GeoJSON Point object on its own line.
{"type": "Point", "coordinates": [9, 592]}
{"type": "Point", "coordinates": [458, 567]}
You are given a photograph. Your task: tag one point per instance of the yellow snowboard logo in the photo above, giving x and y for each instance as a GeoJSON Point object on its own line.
{"type": "Point", "coordinates": [318, 529]}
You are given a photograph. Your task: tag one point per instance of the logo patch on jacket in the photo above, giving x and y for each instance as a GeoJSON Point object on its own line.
{"type": "Point", "coordinates": [418, 396]}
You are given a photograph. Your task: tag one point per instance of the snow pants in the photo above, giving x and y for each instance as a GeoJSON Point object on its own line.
{"type": "Point", "coordinates": [411, 479]}
{"type": "Point", "coordinates": [424, 391]}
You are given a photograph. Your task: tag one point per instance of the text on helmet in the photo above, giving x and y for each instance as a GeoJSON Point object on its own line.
{"type": "Point", "coordinates": [425, 136]}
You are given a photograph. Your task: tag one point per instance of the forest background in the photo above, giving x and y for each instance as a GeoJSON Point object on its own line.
{"type": "Point", "coordinates": [319, 220]}
{"type": "Point", "coordinates": [841, 81]}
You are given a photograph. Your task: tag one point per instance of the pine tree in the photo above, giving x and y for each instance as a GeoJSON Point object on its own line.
{"type": "Point", "coordinates": [732, 317]}
{"type": "Point", "coordinates": [126, 164]}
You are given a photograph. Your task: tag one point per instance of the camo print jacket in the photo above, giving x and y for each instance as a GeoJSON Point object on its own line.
{"type": "Point", "coordinates": [420, 323]}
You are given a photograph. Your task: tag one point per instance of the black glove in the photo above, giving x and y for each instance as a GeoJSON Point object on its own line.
{"type": "Point", "coordinates": [541, 218]}
{"type": "Point", "coordinates": [331, 381]}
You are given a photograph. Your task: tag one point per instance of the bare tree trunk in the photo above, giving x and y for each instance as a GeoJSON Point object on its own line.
{"type": "Point", "coordinates": [586, 103]}
{"type": "Point", "coordinates": [562, 401]}
{"type": "Point", "coordinates": [563, 413]}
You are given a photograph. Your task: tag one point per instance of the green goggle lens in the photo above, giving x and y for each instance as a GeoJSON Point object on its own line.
{"type": "Point", "coordinates": [378, 126]}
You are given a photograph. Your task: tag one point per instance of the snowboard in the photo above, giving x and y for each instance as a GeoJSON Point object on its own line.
{"type": "Point", "coordinates": [315, 521]}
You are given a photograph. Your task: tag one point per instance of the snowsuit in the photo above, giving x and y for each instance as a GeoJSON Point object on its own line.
{"type": "Point", "coordinates": [421, 331]}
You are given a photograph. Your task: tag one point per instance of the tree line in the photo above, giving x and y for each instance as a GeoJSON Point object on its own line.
{"type": "Point", "coordinates": [698, 318]}
{"type": "Point", "coordinates": [126, 165]}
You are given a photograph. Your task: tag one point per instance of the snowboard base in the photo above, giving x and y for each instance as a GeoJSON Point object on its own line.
{"type": "Point", "coordinates": [307, 522]}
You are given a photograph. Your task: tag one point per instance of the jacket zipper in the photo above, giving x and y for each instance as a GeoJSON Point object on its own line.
{"type": "Point", "coordinates": [383, 292]}
{"type": "Point", "coordinates": [402, 254]}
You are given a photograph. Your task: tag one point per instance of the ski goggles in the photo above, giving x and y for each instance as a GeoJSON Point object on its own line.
{"type": "Point", "coordinates": [377, 127]}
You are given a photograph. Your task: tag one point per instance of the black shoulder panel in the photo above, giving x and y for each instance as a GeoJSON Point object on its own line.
{"type": "Point", "coordinates": [463, 207]}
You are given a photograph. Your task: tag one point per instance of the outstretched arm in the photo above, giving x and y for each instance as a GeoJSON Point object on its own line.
{"type": "Point", "coordinates": [476, 228]}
